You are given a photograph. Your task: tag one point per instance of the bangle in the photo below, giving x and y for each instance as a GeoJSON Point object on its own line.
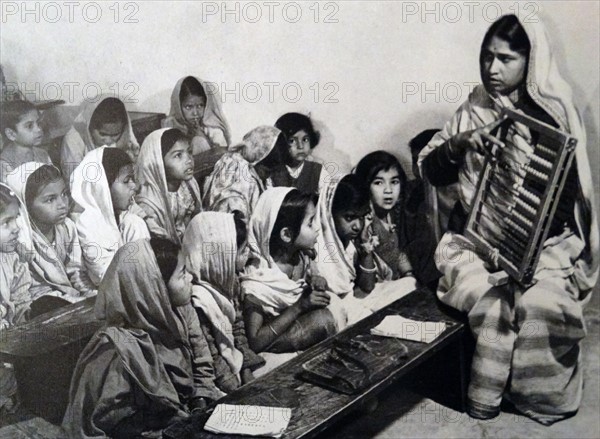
{"type": "Point", "coordinates": [273, 330]}
{"type": "Point", "coordinates": [368, 270]}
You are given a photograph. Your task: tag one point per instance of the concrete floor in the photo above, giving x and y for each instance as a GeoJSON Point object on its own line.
{"type": "Point", "coordinates": [404, 413]}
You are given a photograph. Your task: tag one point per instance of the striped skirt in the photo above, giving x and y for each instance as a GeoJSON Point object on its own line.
{"type": "Point", "coordinates": [527, 341]}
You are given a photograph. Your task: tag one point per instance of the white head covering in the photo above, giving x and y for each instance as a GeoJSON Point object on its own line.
{"type": "Point", "coordinates": [264, 280]}
{"type": "Point", "coordinates": [97, 226]}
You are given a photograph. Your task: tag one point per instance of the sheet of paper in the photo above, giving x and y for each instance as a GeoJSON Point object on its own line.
{"type": "Point", "coordinates": [251, 420]}
{"type": "Point", "coordinates": [407, 329]}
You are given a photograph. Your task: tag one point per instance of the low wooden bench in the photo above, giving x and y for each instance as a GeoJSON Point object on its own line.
{"type": "Point", "coordinates": [44, 352]}
{"type": "Point", "coordinates": [314, 408]}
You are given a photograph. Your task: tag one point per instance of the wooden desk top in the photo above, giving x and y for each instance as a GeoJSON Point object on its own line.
{"type": "Point", "coordinates": [315, 408]}
{"type": "Point", "coordinates": [50, 331]}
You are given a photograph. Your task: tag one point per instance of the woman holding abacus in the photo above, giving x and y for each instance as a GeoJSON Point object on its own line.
{"type": "Point", "coordinates": [527, 338]}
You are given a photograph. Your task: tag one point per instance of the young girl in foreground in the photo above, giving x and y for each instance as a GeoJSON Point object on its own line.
{"type": "Point", "coordinates": [286, 309]}
{"type": "Point", "coordinates": [15, 281]}
{"type": "Point", "coordinates": [102, 122]}
{"type": "Point", "coordinates": [527, 339]}
{"type": "Point", "coordinates": [197, 113]}
{"type": "Point", "coordinates": [137, 373]}
{"type": "Point", "coordinates": [103, 186]}
{"type": "Point", "coordinates": [169, 194]}
{"type": "Point", "coordinates": [215, 245]}
{"type": "Point", "coordinates": [296, 171]}
{"type": "Point", "coordinates": [345, 251]}
{"type": "Point", "coordinates": [55, 259]}
{"type": "Point", "coordinates": [240, 176]}
{"type": "Point", "coordinates": [386, 180]}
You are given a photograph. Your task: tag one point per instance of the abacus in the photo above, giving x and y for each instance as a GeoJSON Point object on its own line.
{"type": "Point", "coordinates": [518, 192]}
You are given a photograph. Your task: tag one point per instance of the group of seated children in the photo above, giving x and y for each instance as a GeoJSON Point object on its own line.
{"type": "Point", "coordinates": [213, 261]}
{"type": "Point", "coordinates": [196, 272]}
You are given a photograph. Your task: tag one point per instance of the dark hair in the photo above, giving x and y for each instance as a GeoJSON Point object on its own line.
{"type": "Point", "coordinates": [110, 110]}
{"type": "Point", "coordinates": [420, 141]}
{"type": "Point", "coordinates": [169, 138]}
{"type": "Point", "coordinates": [290, 215]}
{"type": "Point", "coordinates": [7, 197]}
{"type": "Point", "coordinates": [241, 231]}
{"type": "Point", "coordinates": [38, 180]}
{"type": "Point", "coordinates": [291, 123]}
{"type": "Point", "coordinates": [351, 194]}
{"type": "Point", "coordinates": [12, 112]}
{"type": "Point", "coordinates": [509, 29]}
{"type": "Point", "coordinates": [372, 163]}
{"type": "Point", "coordinates": [113, 159]}
{"type": "Point", "coordinates": [191, 87]}
{"type": "Point", "coordinates": [166, 252]}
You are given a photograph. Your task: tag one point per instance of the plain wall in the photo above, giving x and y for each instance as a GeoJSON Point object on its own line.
{"type": "Point", "coordinates": [367, 62]}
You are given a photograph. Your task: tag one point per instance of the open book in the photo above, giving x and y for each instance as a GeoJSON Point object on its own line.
{"type": "Point", "coordinates": [251, 420]}
{"type": "Point", "coordinates": [407, 329]}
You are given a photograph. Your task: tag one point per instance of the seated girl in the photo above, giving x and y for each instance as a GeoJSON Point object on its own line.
{"type": "Point", "coordinates": [103, 186]}
{"type": "Point", "coordinates": [20, 123]}
{"type": "Point", "coordinates": [15, 282]}
{"type": "Point", "coordinates": [169, 195]}
{"type": "Point", "coordinates": [240, 176]}
{"type": "Point", "coordinates": [102, 122]}
{"type": "Point", "coordinates": [286, 308]}
{"type": "Point", "coordinates": [296, 170]}
{"type": "Point", "coordinates": [198, 115]}
{"type": "Point", "coordinates": [55, 259]}
{"type": "Point", "coordinates": [137, 373]}
{"type": "Point", "coordinates": [345, 251]}
{"type": "Point", "coordinates": [174, 268]}
{"type": "Point", "coordinates": [215, 244]}
{"type": "Point", "coordinates": [386, 181]}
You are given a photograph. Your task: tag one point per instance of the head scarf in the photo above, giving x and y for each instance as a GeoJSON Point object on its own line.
{"type": "Point", "coordinates": [78, 141]}
{"type": "Point", "coordinates": [210, 246]}
{"type": "Point", "coordinates": [234, 183]}
{"type": "Point", "coordinates": [263, 279]}
{"type": "Point", "coordinates": [334, 262]}
{"type": "Point", "coordinates": [96, 225]}
{"type": "Point", "coordinates": [213, 114]}
{"type": "Point", "coordinates": [44, 260]}
{"type": "Point", "coordinates": [154, 193]}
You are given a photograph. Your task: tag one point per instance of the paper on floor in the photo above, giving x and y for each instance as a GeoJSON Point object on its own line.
{"type": "Point", "coordinates": [252, 420]}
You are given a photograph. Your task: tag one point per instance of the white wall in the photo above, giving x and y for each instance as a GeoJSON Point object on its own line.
{"type": "Point", "coordinates": [373, 52]}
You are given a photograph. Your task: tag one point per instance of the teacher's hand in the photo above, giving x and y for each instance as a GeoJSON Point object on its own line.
{"type": "Point", "coordinates": [473, 139]}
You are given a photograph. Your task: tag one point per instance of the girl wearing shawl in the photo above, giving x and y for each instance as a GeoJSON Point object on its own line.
{"type": "Point", "coordinates": [240, 176]}
{"type": "Point", "coordinates": [101, 122]}
{"type": "Point", "coordinates": [15, 282]}
{"type": "Point", "coordinates": [214, 243]}
{"type": "Point", "coordinates": [541, 371]}
{"type": "Point", "coordinates": [169, 195]}
{"type": "Point", "coordinates": [136, 373]}
{"type": "Point", "coordinates": [55, 254]}
{"type": "Point", "coordinates": [196, 111]}
{"type": "Point", "coordinates": [286, 309]}
{"type": "Point", "coordinates": [345, 256]}
{"type": "Point", "coordinates": [103, 186]}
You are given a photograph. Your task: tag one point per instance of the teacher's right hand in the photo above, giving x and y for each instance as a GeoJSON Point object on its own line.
{"type": "Point", "coordinates": [473, 139]}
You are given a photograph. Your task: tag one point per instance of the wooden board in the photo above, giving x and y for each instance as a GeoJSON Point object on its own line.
{"type": "Point", "coordinates": [315, 408]}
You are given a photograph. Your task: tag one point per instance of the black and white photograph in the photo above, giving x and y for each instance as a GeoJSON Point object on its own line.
{"type": "Point", "coordinates": [299, 219]}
